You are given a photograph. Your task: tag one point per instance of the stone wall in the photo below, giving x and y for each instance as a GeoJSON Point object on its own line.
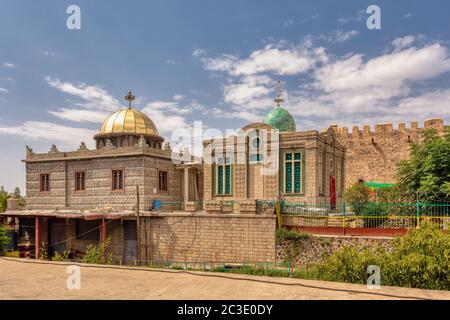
{"type": "Point", "coordinates": [374, 155]}
{"type": "Point", "coordinates": [139, 170]}
{"type": "Point", "coordinates": [184, 237]}
{"type": "Point", "coordinates": [208, 238]}
{"type": "Point", "coordinates": [313, 248]}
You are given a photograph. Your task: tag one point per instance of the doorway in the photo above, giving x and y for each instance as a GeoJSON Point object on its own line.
{"type": "Point", "coordinates": [332, 192]}
{"type": "Point", "coordinates": [130, 241]}
{"type": "Point", "coordinates": [57, 236]}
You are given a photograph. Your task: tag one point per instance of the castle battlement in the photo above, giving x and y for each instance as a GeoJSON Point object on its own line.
{"type": "Point", "coordinates": [386, 129]}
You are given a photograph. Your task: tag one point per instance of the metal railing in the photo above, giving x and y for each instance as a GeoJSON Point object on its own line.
{"type": "Point", "coordinates": [369, 215]}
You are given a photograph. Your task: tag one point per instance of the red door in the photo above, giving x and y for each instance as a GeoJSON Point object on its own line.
{"type": "Point", "coordinates": [332, 192]}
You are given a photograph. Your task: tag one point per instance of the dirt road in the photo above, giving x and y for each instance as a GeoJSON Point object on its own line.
{"type": "Point", "coordinates": [27, 279]}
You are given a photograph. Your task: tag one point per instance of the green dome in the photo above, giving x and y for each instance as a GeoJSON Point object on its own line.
{"type": "Point", "coordinates": [280, 119]}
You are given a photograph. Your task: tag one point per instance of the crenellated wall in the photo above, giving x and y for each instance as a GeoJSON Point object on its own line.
{"type": "Point", "coordinates": [372, 155]}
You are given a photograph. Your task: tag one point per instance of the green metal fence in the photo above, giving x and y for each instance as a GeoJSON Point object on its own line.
{"type": "Point", "coordinates": [369, 215]}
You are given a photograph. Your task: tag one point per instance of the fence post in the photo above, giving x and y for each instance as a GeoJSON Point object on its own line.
{"type": "Point", "coordinates": [343, 221]}
{"type": "Point", "coordinates": [417, 211]}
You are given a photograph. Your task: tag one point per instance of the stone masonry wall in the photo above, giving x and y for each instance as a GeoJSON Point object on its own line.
{"type": "Point", "coordinates": [373, 155]}
{"type": "Point", "coordinates": [208, 237]}
{"type": "Point", "coordinates": [313, 249]}
{"type": "Point", "coordinates": [138, 170]}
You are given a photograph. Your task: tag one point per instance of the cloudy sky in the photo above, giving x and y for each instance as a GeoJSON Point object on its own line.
{"type": "Point", "coordinates": [215, 62]}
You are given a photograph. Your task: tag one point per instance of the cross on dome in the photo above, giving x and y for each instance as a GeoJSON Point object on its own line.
{"type": "Point", "coordinates": [129, 97]}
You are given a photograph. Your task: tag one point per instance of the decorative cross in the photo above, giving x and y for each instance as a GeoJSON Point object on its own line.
{"type": "Point", "coordinates": [278, 99]}
{"type": "Point", "coordinates": [129, 97]}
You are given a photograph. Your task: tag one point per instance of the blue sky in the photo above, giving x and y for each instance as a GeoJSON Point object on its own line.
{"type": "Point", "coordinates": [216, 62]}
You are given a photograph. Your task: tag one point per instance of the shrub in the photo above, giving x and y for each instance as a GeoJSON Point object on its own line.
{"type": "Point", "coordinates": [420, 259]}
{"type": "Point", "coordinates": [285, 234]}
{"type": "Point", "coordinates": [4, 239]}
{"type": "Point", "coordinates": [358, 195]}
{"type": "Point", "coordinates": [12, 254]}
{"type": "Point", "coordinates": [349, 264]}
{"type": "Point", "coordinates": [64, 256]}
{"type": "Point", "coordinates": [97, 254]}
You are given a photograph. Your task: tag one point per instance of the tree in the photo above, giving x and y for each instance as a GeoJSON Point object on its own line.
{"type": "Point", "coordinates": [16, 193]}
{"type": "Point", "coordinates": [427, 172]}
{"type": "Point", "coordinates": [4, 239]}
{"type": "Point", "coordinates": [4, 196]}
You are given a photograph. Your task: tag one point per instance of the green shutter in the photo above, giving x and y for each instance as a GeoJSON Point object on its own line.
{"type": "Point", "coordinates": [297, 176]}
{"type": "Point", "coordinates": [228, 179]}
{"type": "Point", "coordinates": [220, 179]}
{"type": "Point", "coordinates": [288, 177]}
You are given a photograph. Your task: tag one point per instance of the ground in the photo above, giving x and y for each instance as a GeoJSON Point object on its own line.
{"type": "Point", "coordinates": [27, 279]}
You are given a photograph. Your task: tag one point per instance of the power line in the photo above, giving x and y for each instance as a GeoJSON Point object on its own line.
{"type": "Point", "coordinates": [199, 274]}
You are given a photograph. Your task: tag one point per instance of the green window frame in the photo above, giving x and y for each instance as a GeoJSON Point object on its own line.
{"type": "Point", "coordinates": [255, 155]}
{"type": "Point", "coordinates": [293, 172]}
{"type": "Point", "coordinates": [223, 177]}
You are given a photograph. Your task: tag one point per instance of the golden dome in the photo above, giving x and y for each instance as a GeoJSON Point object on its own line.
{"type": "Point", "coordinates": [129, 121]}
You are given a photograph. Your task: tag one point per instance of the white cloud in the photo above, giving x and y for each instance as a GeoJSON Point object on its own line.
{"type": "Point", "coordinates": [80, 115]}
{"type": "Point", "coordinates": [250, 91]}
{"type": "Point", "coordinates": [37, 130]}
{"type": "Point", "coordinates": [4, 90]}
{"type": "Point", "coordinates": [173, 62]}
{"type": "Point", "coordinates": [359, 16]}
{"type": "Point", "coordinates": [225, 63]}
{"type": "Point", "coordinates": [8, 65]}
{"type": "Point", "coordinates": [280, 59]}
{"type": "Point", "coordinates": [341, 36]}
{"type": "Point", "coordinates": [390, 71]}
{"type": "Point", "coordinates": [165, 121]}
{"type": "Point", "coordinates": [178, 97]}
{"type": "Point", "coordinates": [347, 89]}
{"type": "Point", "coordinates": [403, 42]}
{"type": "Point", "coordinates": [174, 107]}
{"type": "Point", "coordinates": [198, 52]}
{"type": "Point", "coordinates": [94, 104]}
{"type": "Point", "coordinates": [288, 23]}
{"type": "Point", "coordinates": [48, 53]}
{"type": "Point", "coordinates": [92, 97]}
{"type": "Point", "coordinates": [407, 15]}
{"type": "Point", "coordinates": [432, 104]}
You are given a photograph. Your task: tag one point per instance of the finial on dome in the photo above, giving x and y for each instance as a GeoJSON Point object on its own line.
{"type": "Point", "coordinates": [278, 99]}
{"type": "Point", "coordinates": [129, 97]}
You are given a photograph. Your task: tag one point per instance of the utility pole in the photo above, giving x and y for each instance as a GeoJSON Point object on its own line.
{"type": "Point", "coordinates": [138, 228]}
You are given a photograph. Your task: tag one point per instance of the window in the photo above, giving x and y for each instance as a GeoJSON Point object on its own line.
{"type": "Point", "coordinates": [163, 180]}
{"type": "Point", "coordinates": [293, 172]}
{"type": "Point", "coordinates": [255, 145]}
{"type": "Point", "coordinates": [223, 176]}
{"type": "Point", "coordinates": [45, 182]}
{"type": "Point", "coordinates": [80, 181]}
{"type": "Point", "coordinates": [320, 180]}
{"type": "Point", "coordinates": [88, 230]}
{"type": "Point", "coordinates": [117, 180]}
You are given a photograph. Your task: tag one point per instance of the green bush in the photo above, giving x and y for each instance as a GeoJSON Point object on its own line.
{"type": "Point", "coordinates": [4, 239]}
{"type": "Point", "coordinates": [64, 256]}
{"type": "Point", "coordinates": [420, 259]}
{"type": "Point", "coordinates": [357, 196]}
{"type": "Point", "coordinates": [285, 234]}
{"type": "Point", "coordinates": [97, 254]}
{"type": "Point", "coordinates": [348, 264]}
